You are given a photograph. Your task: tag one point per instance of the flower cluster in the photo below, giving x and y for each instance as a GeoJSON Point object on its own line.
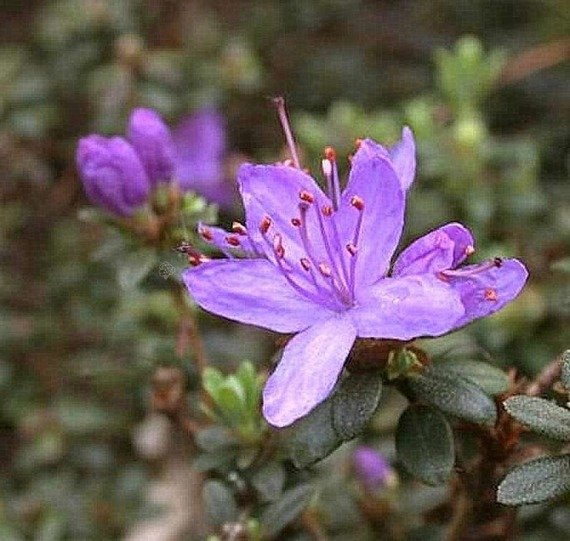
{"type": "Point", "coordinates": [119, 173]}
{"type": "Point", "coordinates": [319, 264]}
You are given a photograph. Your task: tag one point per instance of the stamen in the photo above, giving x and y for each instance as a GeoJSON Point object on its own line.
{"type": "Point", "coordinates": [206, 234]}
{"type": "Point", "coordinates": [306, 197]}
{"type": "Point", "coordinates": [330, 154]}
{"type": "Point", "coordinates": [498, 262]}
{"type": "Point", "coordinates": [232, 240]}
{"type": "Point", "coordinates": [325, 270]}
{"type": "Point", "coordinates": [327, 210]}
{"type": "Point", "coordinates": [279, 103]}
{"type": "Point", "coordinates": [352, 248]}
{"type": "Point", "coordinates": [490, 294]}
{"type": "Point", "coordinates": [296, 222]}
{"type": "Point", "coordinates": [265, 225]}
{"type": "Point", "coordinates": [461, 272]}
{"type": "Point", "coordinates": [239, 229]}
{"type": "Point", "coordinates": [469, 250]}
{"type": "Point", "coordinates": [357, 202]}
{"type": "Point", "coordinates": [333, 182]}
{"type": "Point", "coordinates": [278, 246]}
{"type": "Point", "coordinates": [305, 263]}
{"type": "Point", "coordinates": [358, 143]}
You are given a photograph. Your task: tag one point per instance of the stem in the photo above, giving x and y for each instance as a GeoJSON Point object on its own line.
{"type": "Point", "coordinates": [548, 375]}
{"type": "Point", "coordinates": [188, 334]}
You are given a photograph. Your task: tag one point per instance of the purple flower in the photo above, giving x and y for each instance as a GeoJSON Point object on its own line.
{"type": "Point", "coordinates": [152, 140]}
{"type": "Point", "coordinates": [112, 173]}
{"type": "Point", "coordinates": [200, 142]}
{"type": "Point", "coordinates": [319, 265]}
{"type": "Point", "coordinates": [371, 468]}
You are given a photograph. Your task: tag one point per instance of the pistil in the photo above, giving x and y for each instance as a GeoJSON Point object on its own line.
{"type": "Point", "coordinates": [279, 103]}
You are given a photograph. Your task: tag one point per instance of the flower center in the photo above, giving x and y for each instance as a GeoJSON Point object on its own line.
{"type": "Point", "coordinates": [328, 264]}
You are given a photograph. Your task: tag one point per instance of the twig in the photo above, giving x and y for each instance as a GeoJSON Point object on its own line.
{"type": "Point", "coordinates": [312, 525]}
{"type": "Point", "coordinates": [548, 375]}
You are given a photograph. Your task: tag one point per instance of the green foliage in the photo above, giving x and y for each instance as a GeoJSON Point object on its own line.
{"type": "Point", "coordinates": [424, 444]}
{"type": "Point", "coordinates": [286, 509]}
{"type": "Point", "coordinates": [540, 415]}
{"type": "Point", "coordinates": [536, 481]}
{"type": "Point", "coordinates": [220, 503]}
{"type": "Point", "coordinates": [338, 419]}
{"type": "Point", "coordinates": [453, 395]}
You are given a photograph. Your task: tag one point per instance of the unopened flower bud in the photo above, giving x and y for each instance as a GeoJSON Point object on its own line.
{"type": "Point", "coordinates": [112, 173]}
{"type": "Point", "coordinates": [372, 469]}
{"type": "Point", "coordinates": [152, 140]}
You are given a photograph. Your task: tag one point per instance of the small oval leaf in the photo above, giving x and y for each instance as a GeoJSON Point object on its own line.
{"type": "Point", "coordinates": [354, 403]}
{"type": "Point", "coordinates": [285, 510]}
{"type": "Point", "coordinates": [424, 444]}
{"type": "Point", "coordinates": [565, 377]}
{"type": "Point", "coordinates": [490, 378]}
{"type": "Point", "coordinates": [454, 395]}
{"type": "Point", "coordinates": [542, 416]}
{"type": "Point", "coordinates": [536, 481]}
{"type": "Point", "coordinates": [220, 503]}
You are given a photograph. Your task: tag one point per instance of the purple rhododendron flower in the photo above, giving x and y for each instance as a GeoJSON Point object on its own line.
{"type": "Point", "coordinates": [371, 468]}
{"type": "Point", "coordinates": [112, 174]}
{"type": "Point", "coordinates": [200, 142]}
{"type": "Point", "coordinates": [118, 174]}
{"type": "Point", "coordinates": [318, 265]}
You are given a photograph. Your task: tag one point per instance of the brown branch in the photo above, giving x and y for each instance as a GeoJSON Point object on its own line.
{"type": "Point", "coordinates": [544, 381]}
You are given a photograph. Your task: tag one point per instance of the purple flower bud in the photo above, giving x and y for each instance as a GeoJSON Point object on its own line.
{"type": "Point", "coordinates": [371, 468]}
{"type": "Point", "coordinates": [112, 174]}
{"type": "Point", "coordinates": [151, 138]}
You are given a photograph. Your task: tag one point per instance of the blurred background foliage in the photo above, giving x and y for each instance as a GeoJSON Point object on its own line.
{"type": "Point", "coordinates": [483, 84]}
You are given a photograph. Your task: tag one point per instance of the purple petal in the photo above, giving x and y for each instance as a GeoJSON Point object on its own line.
{"type": "Point", "coordinates": [403, 155]}
{"type": "Point", "coordinates": [308, 370]}
{"type": "Point", "coordinates": [406, 308]}
{"type": "Point", "coordinates": [151, 138]}
{"type": "Point", "coordinates": [200, 142]}
{"type": "Point", "coordinates": [273, 191]}
{"type": "Point", "coordinates": [252, 291]}
{"type": "Point", "coordinates": [443, 248]}
{"type": "Point", "coordinates": [486, 288]}
{"type": "Point", "coordinates": [376, 184]}
{"type": "Point", "coordinates": [112, 174]}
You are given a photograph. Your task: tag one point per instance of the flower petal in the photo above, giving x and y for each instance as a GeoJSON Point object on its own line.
{"type": "Point", "coordinates": [231, 244]}
{"type": "Point", "coordinates": [308, 370]}
{"type": "Point", "coordinates": [485, 289]}
{"type": "Point", "coordinates": [252, 291]}
{"type": "Point", "coordinates": [406, 308]}
{"type": "Point", "coordinates": [443, 248]}
{"type": "Point", "coordinates": [375, 182]}
{"type": "Point", "coordinates": [403, 155]}
{"type": "Point", "coordinates": [273, 191]}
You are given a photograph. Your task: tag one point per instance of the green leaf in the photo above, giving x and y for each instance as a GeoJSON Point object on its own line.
{"type": "Point", "coordinates": [212, 380]}
{"type": "Point", "coordinates": [215, 438]}
{"type": "Point", "coordinates": [454, 395]}
{"type": "Point", "coordinates": [285, 510]}
{"type": "Point", "coordinates": [269, 480]}
{"type": "Point", "coordinates": [220, 503]}
{"type": "Point", "coordinates": [536, 481]}
{"type": "Point", "coordinates": [490, 378]}
{"type": "Point", "coordinates": [565, 377]}
{"type": "Point", "coordinates": [354, 403]}
{"type": "Point", "coordinates": [312, 437]}
{"type": "Point", "coordinates": [542, 416]}
{"type": "Point", "coordinates": [424, 444]}
{"type": "Point", "coordinates": [133, 267]}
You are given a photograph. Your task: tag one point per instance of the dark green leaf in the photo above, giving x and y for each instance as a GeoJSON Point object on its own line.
{"type": "Point", "coordinates": [215, 438]}
{"type": "Point", "coordinates": [312, 437]}
{"type": "Point", "coordinates": [540, 415]}
{"type": "Point", "coordinates": [269, 480]}
{"type": "Point", "coordinates": [220, 503]}
{"type": "Point", "coordinates": [354, 403]}
{"type": "Point", "coordinates": [285, 510]}
{"type": "Point", "coordinates": [536, 481]}
{"type": "Point", "coordinates": [424, 443]}
{"type": "Point", "coordinates": [454, 395]}
{"type": "Point", "coordinates": [490, 378]}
